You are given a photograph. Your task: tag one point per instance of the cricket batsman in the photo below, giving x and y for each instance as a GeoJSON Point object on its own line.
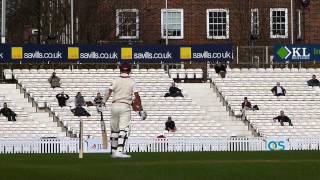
{"type": "Point", "coordinates": [123, 89]}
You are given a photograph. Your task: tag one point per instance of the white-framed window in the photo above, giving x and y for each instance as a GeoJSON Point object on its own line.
{"type": "Point", "coordinates": [255, 23]}
{"type": "Point", "coordinates": [217, 23]}
{"type": "Point", "coordinates": [127, 23]}
{"type": "Point", "coordinates": [278, 23]}
{"type": "Point", "coordinates": [175, 23]}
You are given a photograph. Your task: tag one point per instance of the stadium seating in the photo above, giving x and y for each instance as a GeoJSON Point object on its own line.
{"type": "Point", "coordinates": [190, 120]}
{"type": "Point", "coordinates": [301, 102]}
{"type": "Point", "coordinates": [26, 126]}
{"type": "Point", "coordinates": [186, 73]}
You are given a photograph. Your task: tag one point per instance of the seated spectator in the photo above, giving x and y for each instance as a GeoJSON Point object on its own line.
{"type": "Point", "coordinates": [98, 102]}
{"type": "Point", "coordinates": [79, 102]}
{"type": "Point", "coordinates": [170, 125]}
{"type": "Point", "coordinates": [246, 105]}
{"type": "Point", "coordinates": [7, 112]}
{"type": "Point", "coordinates": [62, 99]}
{"type": "Point", "coordinates": [314, 81]}
{"type": "Point", "coordinates": [220, 69]}
{"type": "Point", "coordinates": [283, 118]}
{"type": "Point", "coordinates": [174, 91]}
{"type": "Point", "coordinates": [54, 80]}
{"type": "Point", "coordinates": [278, 90]}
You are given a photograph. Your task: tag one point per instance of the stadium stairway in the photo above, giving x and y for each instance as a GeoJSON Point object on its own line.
{"type": "Point", "coordinates": [41, 118]}
{"type": "Point", "coordinates": [204, 96]}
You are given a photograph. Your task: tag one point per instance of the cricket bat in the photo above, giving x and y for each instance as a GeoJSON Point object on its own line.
{"type": "Point", "coordinates": [103, 133]}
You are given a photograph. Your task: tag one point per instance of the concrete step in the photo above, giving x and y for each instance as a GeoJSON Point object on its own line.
{"type": "Point", "coordinates": [206, 98]}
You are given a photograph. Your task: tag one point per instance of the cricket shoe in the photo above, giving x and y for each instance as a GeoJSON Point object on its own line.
{"type": "Point", "coordinates": [120, 155]}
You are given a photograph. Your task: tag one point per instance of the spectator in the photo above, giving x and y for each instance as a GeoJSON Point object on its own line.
{"type": "Point", "coordinates": [246, 105]}
{"type": "Point", "coordinates": [170, 125]}
{"type": "Point", "coordinates": [283, 118]}
{"type": "Point", "coordinates": [62, 99]}
{"type": "Point", "coordinates": [98, 102]}
{"type": "Point", "coordinates": [220, 69]}
{"type": "Point", "coordinates": [79, 100]}
{"type": "Point", "coordinates": [278, 90]}
{"type": "Point", "coordinates": [54, 80]}
{"type": "Point", "coordinates": [7, 112]}
{"type": "Point", "coordinates": [174, 91]}
{"type": "Point", "coordinates": [314, 81]}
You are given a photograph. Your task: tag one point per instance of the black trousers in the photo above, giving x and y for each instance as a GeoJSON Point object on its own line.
{"type": "Point", "coordinates": [11, 117]}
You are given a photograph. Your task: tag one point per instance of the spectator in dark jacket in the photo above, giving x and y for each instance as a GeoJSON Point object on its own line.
{"type": "Point", "coordinates": [278, 90]}
{"type": "Point", "coordinates": [283, 118]}
{"type": "Point", "coordinates": [314, 81]}
{"type": "Point", "coordinates": [174, 91]}
{"type": "Point", "coordinates": [170, 125]}
{"type": "Point", "coordinates": [246, 105]}
{"type": "Point", "coordinates": [79, 100]}
{"type": "Point", "coordinates": [7, 112]}
{"type": "Point", "coordinates": [62, 99]}
{"type": "Point", "coordinates": [220, 69]}
{"type": "Point", "coordinates": [54, 80]}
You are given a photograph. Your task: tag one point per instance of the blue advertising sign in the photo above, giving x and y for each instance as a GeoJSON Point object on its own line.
{"type": "Point", "coordinates": [114, 53]}
{"type": "Point", "coordinates": [302, 53]}
{"type": "Point", "coordinates": [4, 53]}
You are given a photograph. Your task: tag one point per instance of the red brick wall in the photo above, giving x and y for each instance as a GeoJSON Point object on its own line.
{"type": "Point", "coordinates": [195, 20]}
{"type": "Point", "coordinates": [311, 23]}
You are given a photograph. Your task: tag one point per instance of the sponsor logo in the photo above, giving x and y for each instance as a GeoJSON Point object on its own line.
{"type": "Point", "coordinates": [212, 55]}
{"type": "Point", "coordinates": [294, 53]}
{"type": "Point", "coordinates": [126, 53]}
{"type": "Point", "coordinates": [276, 145]}
{"type": "Point", "coordinates": [17, 53]}
{"type": "Point", "coordinates": [43, 55]}
{"type": "Point", "coordinates": [150, 55]}
{"type": "Point", "coordinates": [73, 53]}
{"type": "Point", "coordinates": [96, 55]}
{"type": "Point", "coordinates": [185, 53]}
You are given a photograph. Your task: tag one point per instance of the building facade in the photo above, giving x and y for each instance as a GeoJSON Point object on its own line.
{"type": "Point", "coordinates": [239, 22]}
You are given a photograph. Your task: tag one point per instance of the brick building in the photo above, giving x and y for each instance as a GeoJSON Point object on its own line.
{"type": "Point", "coordinates": [250, 24]}
{"type": "Point", "coordinates": [240, 22]}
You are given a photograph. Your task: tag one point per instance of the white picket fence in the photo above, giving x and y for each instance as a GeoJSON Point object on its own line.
{"type": "Point", "coordinates": [195, 144]}
{"type": "Point", "coordinates": [44, 146]}
{"type": "Point", "coordinates": [71, 145]}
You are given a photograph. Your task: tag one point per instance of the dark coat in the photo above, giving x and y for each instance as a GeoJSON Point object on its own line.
{"type": "Point", "coordinates": [170, 125]}
{"type": "Point", "coordinates": [282, 118]}
{"type": "Point", "coordinates": [313, 82]}
{"type": "Point", "coordinates": [62, 99]}
{"type": "Point", "coordinates": [274, 89]}
{"type": "Point", "coordinates": [7, 112]}
{"type": "Point", "coordinates": [248, 104]}
{"type": "Point", "coordinates": [218, 69]}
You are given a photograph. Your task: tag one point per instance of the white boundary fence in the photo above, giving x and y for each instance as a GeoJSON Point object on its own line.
{"type": "Point", "coordinates": [71, 145]}
{"type": "Point", "coordinates": [45, 146]}
{"type": "Point", "coordinates": [195, 144]}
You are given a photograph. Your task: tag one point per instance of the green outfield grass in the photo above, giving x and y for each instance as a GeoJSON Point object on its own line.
{"type": "Point", "coordinates": [165, 166]}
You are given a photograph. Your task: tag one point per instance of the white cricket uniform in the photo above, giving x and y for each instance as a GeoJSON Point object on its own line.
{"type": "Point", "coordinates": [123, 89]}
